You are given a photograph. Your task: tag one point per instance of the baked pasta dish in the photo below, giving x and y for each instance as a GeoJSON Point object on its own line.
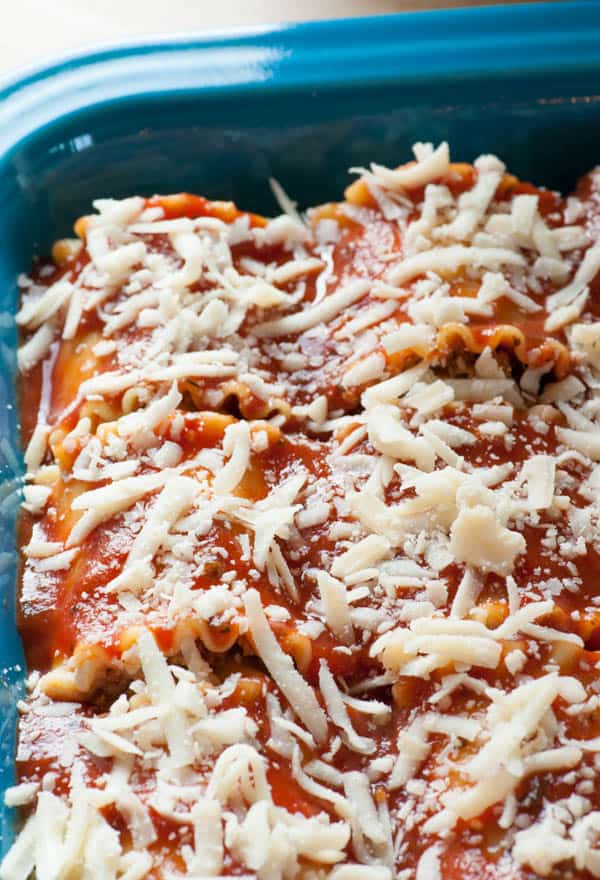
{"type": "Point", "coordinates": [310, 539]}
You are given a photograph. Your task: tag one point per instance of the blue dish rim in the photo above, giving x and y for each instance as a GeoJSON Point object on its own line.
{"type": "Point", "coordinates": [507, 42]}
{"type": "Point", "coordinates": [414, 48]}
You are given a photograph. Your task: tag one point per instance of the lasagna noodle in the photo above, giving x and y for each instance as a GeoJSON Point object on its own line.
{"type": "Point", "coordinates": [177, 547]}
{"type": "Point", "coordinates": [254, 532]}
{"type": "Point", "coordinates": [285, 308]}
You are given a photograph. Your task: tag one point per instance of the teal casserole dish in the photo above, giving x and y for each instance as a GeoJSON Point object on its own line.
{"type": "Point", "coordinates": [221, 114]}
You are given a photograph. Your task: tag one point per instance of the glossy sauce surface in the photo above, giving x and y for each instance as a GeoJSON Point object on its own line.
{"type": "Point", "coordinates": [68, 615]}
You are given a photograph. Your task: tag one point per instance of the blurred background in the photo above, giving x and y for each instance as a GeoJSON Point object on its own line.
{"type": "Point", "coordinates": [36, 29]}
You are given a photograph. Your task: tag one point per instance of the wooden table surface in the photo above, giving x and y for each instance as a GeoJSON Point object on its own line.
{"type": "Point", "coordinates": [36, 29]}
